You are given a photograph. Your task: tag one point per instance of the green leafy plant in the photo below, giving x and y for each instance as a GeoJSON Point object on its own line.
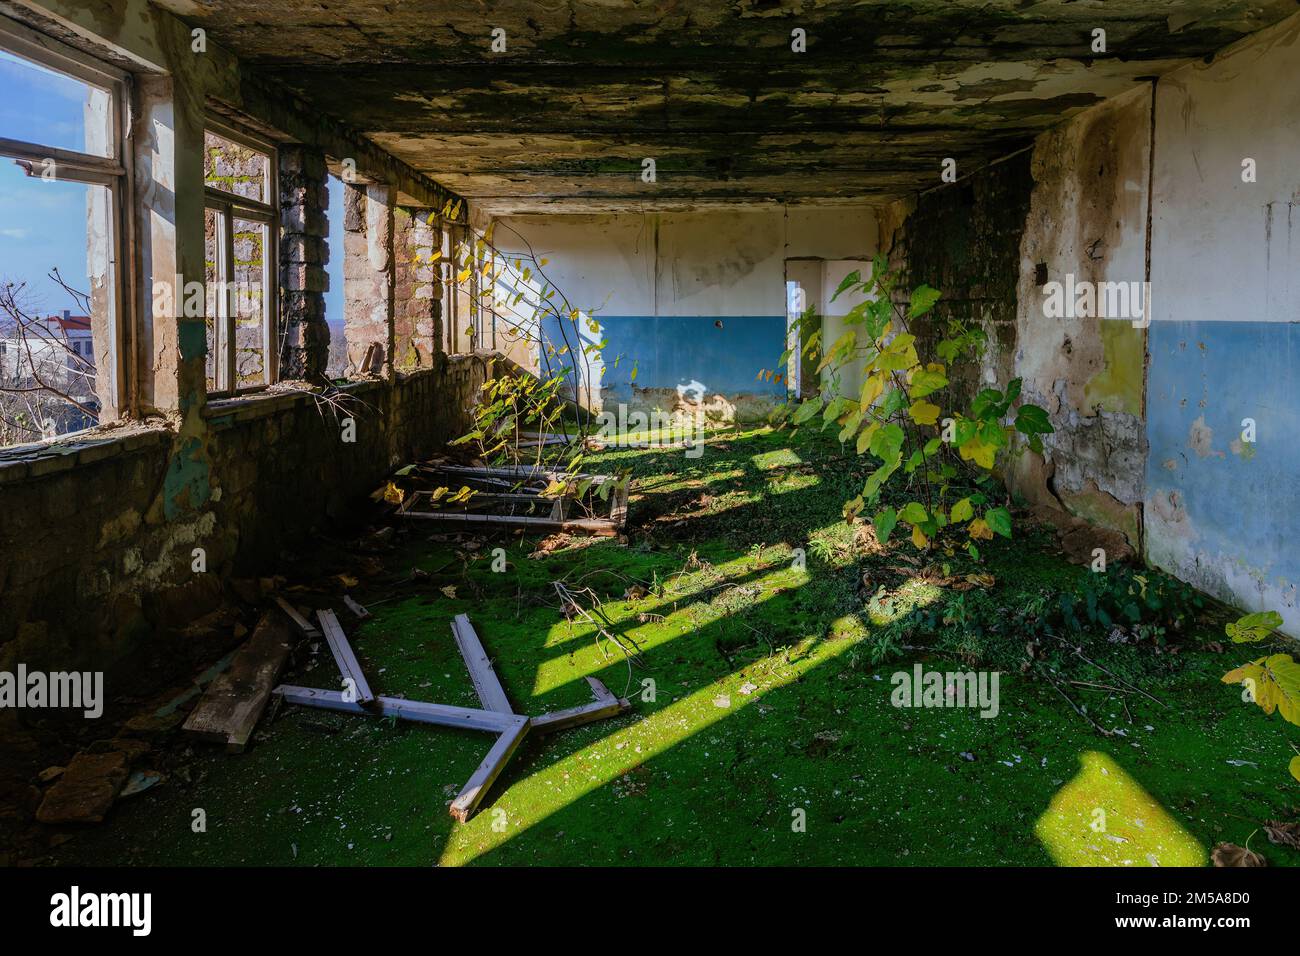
{"type": "Point", "coordinates": [897, 417]}
{"type": "Point", "coordinates": [1272, 681]}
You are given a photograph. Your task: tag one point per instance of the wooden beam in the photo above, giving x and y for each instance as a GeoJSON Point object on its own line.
{"type": "Point", "coordinates": [349, 667]}
{"type": "Point", "coordinates": [308, 629]}
{"type": "Point", "coordinates": [414, 710]}
{"type": "Point", "coordinates": [463, 807]}
{"type": "Point", "coordinates": [234, 701]}
{"type": "Point", "coordinates": [486, 683]}
{"type": "Point", "coordinates": [603, 527]}
{"type": "Point", "coordinates": [577, 716]}
{"type": "Point", "coordinates": [358, 610]}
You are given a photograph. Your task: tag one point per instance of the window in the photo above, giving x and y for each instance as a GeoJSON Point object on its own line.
{"type": "Point", "coordinates": [241, 255]}
{"type": "Point", "coordinates": [63, 189]}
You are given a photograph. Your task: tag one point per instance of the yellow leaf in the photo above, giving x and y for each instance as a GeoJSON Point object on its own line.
{"type": "Point", "coordinates": [449, 591]}
{"type": "Point", "coordinates": [918, 537]}
{"type": "Point", "coordinates": [978, 452]}
{"type": "Point", "coordinates": [872, 389]}
{"type": "Point", "coordinates": [864, 437]}
{"type": "Point", "coordinates": [393, 494]}
{"type": "Point", "coordinates": [979, 529]}
{"type": "Point", "coordinates": [463, 274]}
{"type": "Point", "coordinates": [924, 413]}
{"type": "Point", "coordinates": [1295, 767]}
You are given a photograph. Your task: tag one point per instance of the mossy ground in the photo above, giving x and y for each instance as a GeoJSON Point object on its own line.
{"type": "Point", "coordinates": [767, 703]}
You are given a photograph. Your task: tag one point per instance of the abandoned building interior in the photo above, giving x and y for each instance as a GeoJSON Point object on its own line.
{"type": "Point", "coordinates": [264, 473]}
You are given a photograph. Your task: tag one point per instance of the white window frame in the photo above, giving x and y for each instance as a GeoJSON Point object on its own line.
{"type": "Point", "coordinates": [108, 171]}
{"type": "Point", "coordinates": [228, 207]}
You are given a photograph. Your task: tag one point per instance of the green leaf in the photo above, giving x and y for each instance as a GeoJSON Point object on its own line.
{"type": "Point", "coordinates": [999, 519]}
{"type": "Point", "coordinates": [1253, 627]}
{"type": "Point", "coordinates": [925, 381]}
{"type": "Point", "coordinates": [807, 410]}
{"type": "Point", "coordinates": [923, 299]}
{"type": "Point", "coordinates": [963, 511]}
{"type": "Point", "coordinates": [1032, 420]}
{"type": "Point", "coordinates": [887, 442]}
{"type": "Point", "coordinates": [914, 513]}
{"type": "Point", "coordinates": [852, 279]}
{"type": "Point", "coordinates": [885, 522]}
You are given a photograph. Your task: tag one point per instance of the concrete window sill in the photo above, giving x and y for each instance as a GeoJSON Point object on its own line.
{"type": "Point", "coordinates": [24, 462]}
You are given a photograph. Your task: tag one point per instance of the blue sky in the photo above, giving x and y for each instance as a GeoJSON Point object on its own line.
{"type": "Point", "coordinates": [42, 223]}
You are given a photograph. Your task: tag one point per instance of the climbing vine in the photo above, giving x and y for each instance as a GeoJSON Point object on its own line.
{"type": "Point", "coordinates": [899, 419]}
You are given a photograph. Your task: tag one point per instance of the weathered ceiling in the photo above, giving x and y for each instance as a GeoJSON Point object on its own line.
{"type": "Point", "coordinates": [711, 90]}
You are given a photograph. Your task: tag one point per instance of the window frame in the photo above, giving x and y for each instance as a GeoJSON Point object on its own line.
{"type": "Point", "coordinates": [110, 172]}
{"type": "Point", "coordinates": [229, 207]}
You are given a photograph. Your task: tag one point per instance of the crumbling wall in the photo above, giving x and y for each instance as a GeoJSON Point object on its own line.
{"type": "Point", "coordinates": [1084, 246]}
{"type": "Point", "coordinates": [367, 273]}
{"type": "Point", "coordinates": [964, 239]}
{"type": "Point", "coordinates": [97, 546]}
{"type": "Point", "coordinates": [418, 291]}
{"type": "Point", "coordinates": [304, 237]}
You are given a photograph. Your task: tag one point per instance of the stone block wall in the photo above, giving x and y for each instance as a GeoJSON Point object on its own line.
{"type": "Point", "coordinates": [304, 252]}
{"type": "Point", "coordinates": [96, 549]}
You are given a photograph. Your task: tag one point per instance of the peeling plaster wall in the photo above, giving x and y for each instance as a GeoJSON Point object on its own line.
{"type": "Point", "coordinates": [690, 299]}
{"type": "Point", "coordinates": [1087, 219]}
{"type": "Point", "coordinates": [1225, 336]}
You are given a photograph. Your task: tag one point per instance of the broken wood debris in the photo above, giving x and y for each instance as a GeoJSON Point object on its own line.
{"type": "Point", "coordinates": [497, 717]}
{"type": "Point", "coordinates": [229, 709]}
{"type": "Point", "coordinates": [308, 629]}
{"type": "Point", "coordinates": [517, 497]}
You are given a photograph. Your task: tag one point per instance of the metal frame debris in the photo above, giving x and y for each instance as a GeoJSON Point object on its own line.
{"type": "Point", "coordinates": [496, 717]}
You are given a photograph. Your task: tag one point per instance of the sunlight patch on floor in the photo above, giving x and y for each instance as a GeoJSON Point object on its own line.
{"type": "Point", "coordinates": [1103, 817]}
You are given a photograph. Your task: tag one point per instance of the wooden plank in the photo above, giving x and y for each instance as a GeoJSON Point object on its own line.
{"type": "Point", "coordinates": [231, 706]}
{"type": "Point", "coordinates": [414, 710]}
{"type": "Point", "coordinates": [463, 807]}
{"type": "Point", "coordinates": [486, 683]}
{"type": "Point", "coordinates": [597, 526]}
{"type": "Point", "coordinates": [304, 625]}
{"type": "Point", "coordinates": [577, 716]}
{"type": "Point", "coordinates": [600, 690]}
{"type": "Point", "coordinates": [358, 611]}
{"type": "Point", "coordinates": [349, 667]}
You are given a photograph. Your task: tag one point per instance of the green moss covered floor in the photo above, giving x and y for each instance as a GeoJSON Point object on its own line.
{"type": "Point", "coordinates": [770, 738]}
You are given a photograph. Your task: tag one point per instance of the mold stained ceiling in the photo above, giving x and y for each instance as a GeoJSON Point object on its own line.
{"type": "Point", "coordinates": [709, 89]}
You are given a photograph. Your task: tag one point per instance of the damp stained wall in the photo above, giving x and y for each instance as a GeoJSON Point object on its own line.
{"type": "Point", "coordinates": [1086, 230]}
{"type": "Point", "coordinates": [694, 302]}
{"type": "Point", "coordinates": [1224, 340]}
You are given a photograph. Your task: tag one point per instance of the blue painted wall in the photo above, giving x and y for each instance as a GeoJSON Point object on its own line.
{"type": "Point", "coordinates": [668, 351]}
{"type": "Point", "coordinates": [1239, 526]}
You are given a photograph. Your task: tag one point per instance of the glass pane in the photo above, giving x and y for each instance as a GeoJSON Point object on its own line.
{"type": "Point", "coordinates": [42, 106]}
{"type": "Point", "coordinates": [211, 282]}
{"type": "Point", "coordinates": [56, 306]}
{"type": "Point", "coordinates": [249, 303]}
{"type": "Point", "coordinates": [234, 169]}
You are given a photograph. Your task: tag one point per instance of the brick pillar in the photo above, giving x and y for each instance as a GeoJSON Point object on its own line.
{"type": "Point", "coordinates": [368, 272]}
{"type": "Point", "coordinates": [417, 315]}
{"type": "Point", "coordinates": [304, 252]}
